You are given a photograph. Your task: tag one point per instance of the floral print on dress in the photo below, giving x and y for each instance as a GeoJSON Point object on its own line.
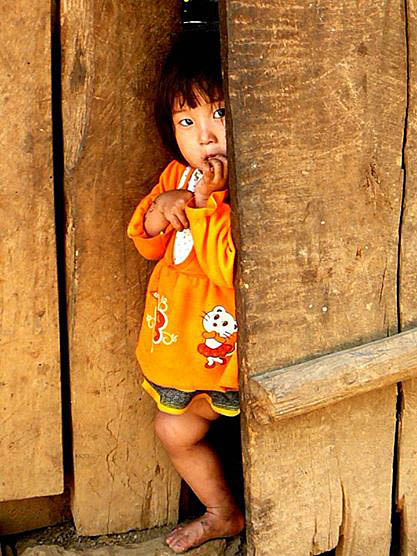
{"type": "Point", "coordinates": [159, 321]}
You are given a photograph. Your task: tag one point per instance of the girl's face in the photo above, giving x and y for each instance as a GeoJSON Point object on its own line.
{"type": "Point", "coordinates": [200, 132]}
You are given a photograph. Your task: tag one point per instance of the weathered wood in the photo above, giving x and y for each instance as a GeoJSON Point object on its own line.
{"type": "Point", "coordinates": [18, 516]}
{"type": "Point", "coordinates": [316, 95]}
{"type": "Point", "coordinates": [111, 52]}
{"type": "Point", "coordinates": [314, 384]}
{"type": "Point", "coordinates": [30, 411]}
{"type": "Point", "coordinates": [312, 479]}
{"type": "Point", "coordinates": [407, 477]}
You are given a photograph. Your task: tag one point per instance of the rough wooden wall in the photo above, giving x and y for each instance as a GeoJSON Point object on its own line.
{"type": "Point", "coordinates": [317, 99]}
{"type": "Point", "coordinates": [17, 516]}
{"type": "Point", "coordinates": [30, 412]}
{"type": "Point", "coordinates": [122, 478]}
{"type": "Point", "coordinates": [407, 476]}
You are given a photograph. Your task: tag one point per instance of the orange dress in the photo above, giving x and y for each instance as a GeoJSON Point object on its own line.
{"type": "Point", "coordinates": [188, 336]}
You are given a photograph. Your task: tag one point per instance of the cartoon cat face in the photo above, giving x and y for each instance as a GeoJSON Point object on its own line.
{"type": "Point", "coordinates": [220, 321]}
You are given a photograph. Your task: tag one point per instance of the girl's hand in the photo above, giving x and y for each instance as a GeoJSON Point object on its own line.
{"type": "Point", "coordinates": [171, 205]}
{"type": "Point", "coordinates": [215, 177]}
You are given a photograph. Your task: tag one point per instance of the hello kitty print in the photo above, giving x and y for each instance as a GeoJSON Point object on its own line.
{"type": "Point", "coordinates": [220, 335]}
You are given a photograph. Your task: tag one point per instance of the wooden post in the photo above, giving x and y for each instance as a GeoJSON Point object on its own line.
{"type": "Point", "coordinates": [30, 386]}
{"type": "Point", "coordinates": [317, 104]}
{"type": "Point", "coordinates": [111, 51]}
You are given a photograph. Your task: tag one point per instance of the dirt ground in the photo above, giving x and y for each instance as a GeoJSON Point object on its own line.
{"type": "Point", "coordinates": [65, 536]}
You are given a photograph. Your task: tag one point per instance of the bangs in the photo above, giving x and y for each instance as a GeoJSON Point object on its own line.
{"type": "Point", "coordinates": [194, 93]}
{"type": "Point", "coordinates": [192, 74]}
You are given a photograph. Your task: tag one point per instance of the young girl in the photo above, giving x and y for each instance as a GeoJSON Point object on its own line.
{"type": "Point", "coordinates": [187, 343]}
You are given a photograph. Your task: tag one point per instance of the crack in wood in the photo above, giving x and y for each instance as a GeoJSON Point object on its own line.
{"type": "Point", "coordinates": [403, 163]}
{"type": "Point", "coordinates": [397, 506]}
{"type": "Point", "coordinates": [60, 233]}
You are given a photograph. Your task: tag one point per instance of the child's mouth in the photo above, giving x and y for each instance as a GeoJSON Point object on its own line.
{"type": "Point", "coordinates": [209, 156]}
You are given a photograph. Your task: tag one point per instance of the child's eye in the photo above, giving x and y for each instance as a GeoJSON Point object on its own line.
{"type": "Point", "coordinates": [186, 122]}
{"type": "Point", "coordinates": [219, 113]}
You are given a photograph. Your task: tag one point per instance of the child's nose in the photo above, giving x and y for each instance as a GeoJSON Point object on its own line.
{"type": "Point", "coordinates": [207, 135]}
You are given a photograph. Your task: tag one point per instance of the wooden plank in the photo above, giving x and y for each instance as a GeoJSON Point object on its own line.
{"type": "Point", "coordinates": [326, 380]}
{"type": "Point", "coordinates": [111, 51]}
{"type": "Point", "coordinates": [321, 480]}
{"type": "Point", "coordinates": [407, 479]}
{"type": "Point", "coordinates": [316, 95]}
{"type": "Point", "coordinates": [18, 516]}
{"type": "Point", "coordinates": [30, 411]}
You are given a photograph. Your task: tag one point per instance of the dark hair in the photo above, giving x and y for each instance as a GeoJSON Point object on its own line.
{"type": "Point", "coordinates": [192, 66]}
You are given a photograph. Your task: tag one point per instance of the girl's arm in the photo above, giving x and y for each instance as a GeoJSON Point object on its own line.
{"type": "Point", "coordinates": [210, 223]}
{"type": "Point", "coordinates": [211, 230]}
{"type": "Point", "coordinates": [154, 246]}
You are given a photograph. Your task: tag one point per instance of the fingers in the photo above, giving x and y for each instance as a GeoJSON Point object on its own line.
{"type": "Point", "coordinates": [220, 166]}
{"type": "Point", "coordinates": [177, 217]}
{"type": "Point", "coordinates": [207, 169]}
{"type": "Point", "coordinates": [171, 204]}
{"type": "Point", "coordinates": [215, 171]}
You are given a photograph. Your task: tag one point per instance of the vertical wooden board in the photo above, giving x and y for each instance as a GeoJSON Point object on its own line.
{"type": "Point", "coordinates": [30, 405]}
{"type": "Point", "coordinates": [313, 479]}
{"type": "Point", "coordinates": [111, 51]}
{"type": "Point", "coordinates": [317, 99]}
{"type": "Point", "coordinates": [407, 477]}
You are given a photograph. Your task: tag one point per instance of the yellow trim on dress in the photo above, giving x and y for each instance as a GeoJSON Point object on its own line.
{"type": "Point", "coordinates": [172, 411]}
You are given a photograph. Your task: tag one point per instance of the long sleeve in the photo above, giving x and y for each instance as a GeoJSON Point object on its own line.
{"type": "Point", "coordinates": [211, 231]}
{"type": "Point", "coordinates": [154, 247]}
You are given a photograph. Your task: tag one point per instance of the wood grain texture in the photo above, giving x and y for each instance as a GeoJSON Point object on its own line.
{"type": "Point", "coordinates": [321, 480]}
{"type": "Point", "coordinates": [331, 378]}
{"type": "Point", "coordinates": [317, 99]}
{"type": "Point", "coordinates": [407, 477]}
{"type": "Point", "coordinates": [30, 388]}
{"type": "Point", "coordinates": [111, 52]}
{"type": "Point", "coordinates": [18, 516]}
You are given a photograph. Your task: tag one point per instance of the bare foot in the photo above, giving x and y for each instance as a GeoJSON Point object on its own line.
{"type": "Point", "coordinates": [211, 525]}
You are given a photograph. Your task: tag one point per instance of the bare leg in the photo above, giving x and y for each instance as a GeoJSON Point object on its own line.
{"type": "Point", "coordinates": [199, 465]}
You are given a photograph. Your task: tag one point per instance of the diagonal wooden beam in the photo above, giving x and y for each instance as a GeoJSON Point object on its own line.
{"type": "Point", "coordinates": [302, 388]}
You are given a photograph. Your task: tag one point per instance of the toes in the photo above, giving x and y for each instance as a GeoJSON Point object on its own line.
{"type": "Point", "coordinates": [173, 534]}
{"type": "Point", "coordinates": [180, 540]}
{"type": "Point", "coordinates": [176, 548]}
{"type": "Point", "coordinates": [179, 545]}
